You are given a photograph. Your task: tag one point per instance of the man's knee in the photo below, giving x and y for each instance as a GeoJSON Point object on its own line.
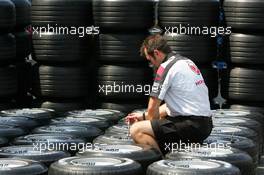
{"type": "Point", "coordinates": [135, 131]}
{"type": "Point", "coordinates": [140, 128]}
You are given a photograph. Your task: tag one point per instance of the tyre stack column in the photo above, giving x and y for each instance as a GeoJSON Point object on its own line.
{"type": "Point", "coordinates": [245, 51]}
{"type": "Point", "coordinates": [8, 70]}
{"type": "Point", "coordinates": [244, 85]}
{"type": "Point", "coordinates": [122, 74]}
{"type": "Point", "coordinates": [176, 17]}
{"type": "Point", "coordinates": [62, 74]}
{"type": "Point", "coordinates": [23, 50]}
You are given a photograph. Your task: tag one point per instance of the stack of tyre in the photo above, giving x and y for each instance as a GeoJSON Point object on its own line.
{"type": "Point", "coordinates": [236, 138]}
{"type": "Point", "coordinates": [177, 17]}
{"type": "Point", "coordinates": [245, 53]}
{"type": "Point", "coordinates": [239, 129]}
{"type": "Point", "coordinates": [14, 47]}
{"type": "Point", "coordinates": [123, 77]}
{"type": "Point", "coordinates": [20, 152]}
{"type": "Point", "coordinates": [63, 53]}
{"type": "Point", "coordinates": [23, 50]}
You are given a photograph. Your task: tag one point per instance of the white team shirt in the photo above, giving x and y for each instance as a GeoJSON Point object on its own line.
{"type": "Point", "coordinates": [181, 85]}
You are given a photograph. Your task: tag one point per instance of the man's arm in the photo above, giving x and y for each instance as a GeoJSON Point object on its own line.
{"type": "Point", "coordinates": [162, 111]}
{"type": "Point", "coordinates": [155, 111]}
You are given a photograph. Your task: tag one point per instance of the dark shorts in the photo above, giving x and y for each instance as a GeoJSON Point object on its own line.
{"type": "Point", "coordinates": [181, 130]}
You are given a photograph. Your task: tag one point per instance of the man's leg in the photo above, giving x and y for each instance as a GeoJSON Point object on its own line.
{"type": "Point", "coordinates": [142, 133]}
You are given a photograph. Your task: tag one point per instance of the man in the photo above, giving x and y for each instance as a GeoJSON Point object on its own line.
{"type": "Point", "coordinates": [185, 117]}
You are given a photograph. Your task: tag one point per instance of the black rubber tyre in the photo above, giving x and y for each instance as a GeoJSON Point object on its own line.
{"type": "Point", "coordinates": [238, 142]}
{"type": "Point", "coordinates": [60, 12]}
{"type": "Point", "coordinates": [210, 77]}
{"type": "Point", "coordinates": [51, 141]}
{"type": "Point", "coordinates": [123, 15]}
{"type": "Point", "coordinates": [29, 152]}
{"type": "Point", "coordinates": [60, 82]}
{"type": "Point", "coordinates": [143, 154]}
{"type": "Point", "coordinates": [123, 106]}
{"type": "Point", "coordinates": [86, 132]}
{"type": "Point", "coordinates": [140, 110]}
{"type": "Point", "coordinates": [229, 113]}
{"type": "Point", "coordinates": [261, 161]}
{"type": "Point", "coordinates": [52, 47]}
{"type": "Point", "coordinates": [23, 44]}
{"type": "Point", "coordinates": [95, 166]}
{"type": "Point", "coordinates": [95, 121]}
{"type": "Point", "coordinates": [9, 85]}
{"type": "Point", "coordinates": [192, 167]}
{"type": "Point", "coordinates": [244, 84]}
{"type": "Point", "coordinates": [7, 104]}
{"type": "Point", "coordinates": [118, 129]}
{"type": "Point", "coordinates": [110, 116]}
{"type": "Point", "coordinates": [23, 8]}
{"type": "Point", "coordinates": [200, 49]}
{"type": "Point", "coordinates": [116, 139]}
{"type": "Point", "coordinates": [244, 15]}
{"type": "Point", "coordinates": [120, 48]}
{"type": "Point", "coordinates": [175, 12]}
{"type": "Point", "coordinates": [11, 132]}
{"type": "Point", "coordinates": [24, 74]}
{"type": "Point", "coordinates": [3, 142]}
{"type": "Point", "coordinates": [60, 107]}
{"type": "Point", "coordinates": [244, 122]}
{"type": "Point", "coordinates": [16, 166]}
{"type": "Point", "coordinates": [234, 156]}
{"type": "Point", "coordinates": [7, 15]}
{"type": "Point", "coordinates": [110, 77]}
{"type": "Point", "coordinates": [250, 107]}
{"type": "Point", "coordinates": [7, 47]}
{"type": "Point", "coordinates": [22, 122]}
{"type": "Point", "coordinates": [117, 113]}
{"type": "Point", "coordinates": [239, 121]}
{"type": "Point", "coordinates": [42, 116]}
{"type": "Point", "coordinates": [236, 131]}
{"type": "Point", "coordinates": [260, 170]}
{"type": "Point", "coordinates": [246, 49]}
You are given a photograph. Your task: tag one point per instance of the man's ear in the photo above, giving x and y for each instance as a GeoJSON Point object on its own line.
{"type": "Point", "coordinates": [156, 52]}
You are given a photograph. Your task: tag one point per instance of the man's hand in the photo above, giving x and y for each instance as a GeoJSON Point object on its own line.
{"type": "Point", "coordinates": [134, 117]}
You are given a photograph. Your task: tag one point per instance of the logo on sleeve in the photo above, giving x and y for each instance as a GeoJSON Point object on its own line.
{"type": "Point", "coordinates": [194, 68]}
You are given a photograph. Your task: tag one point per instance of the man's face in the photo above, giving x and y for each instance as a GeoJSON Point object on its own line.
{"type": "Point", "coordinates": [152, 58]}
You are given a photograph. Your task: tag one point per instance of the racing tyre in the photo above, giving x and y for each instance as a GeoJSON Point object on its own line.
{"type": "Point", "coordinates": [143, 154]}
{"type": "Point", "coordinates": [23, 8]}
{"type": "Point", "coordinates": [29, 152]}
{"type": "Point", "coordinates": [87, 132]}
{"type": "Point", "coordinates": [61, 48]}
{"type": "Point", "coordinates": [234, 156]}
{"type": "Point", "coordinates": [61, 13]}
{"type": "Point", "coordinates": [244, 15]}
{"type": "Point", "coordinates": [7, 47]}
{"type": "Point", "coordinates": [200, 49]}
{"type": "Point", "coordinates": [120, 48]}
{"type": "Point", "coordinates": [191, 167]}
{"type": "Point", "coordinates": [123, 15]}
{"type": "Point", "coordinates": [7, 15]}
{"type": "Point", "coordinates": [173, 13]}
{"type": "Point", "coordinates": [60, 82]}
{"type": "Point", "coordinates": [246, 48]}
{"type": "Point", "coordinates": [11, 166]}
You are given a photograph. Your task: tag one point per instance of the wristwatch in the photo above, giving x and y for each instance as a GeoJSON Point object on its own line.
{"type": "Point", "coordinates": [144, 117]}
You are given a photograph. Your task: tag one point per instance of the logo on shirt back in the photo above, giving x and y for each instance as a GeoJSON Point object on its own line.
{"type": "Point", "coordinates": [194, 68]}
